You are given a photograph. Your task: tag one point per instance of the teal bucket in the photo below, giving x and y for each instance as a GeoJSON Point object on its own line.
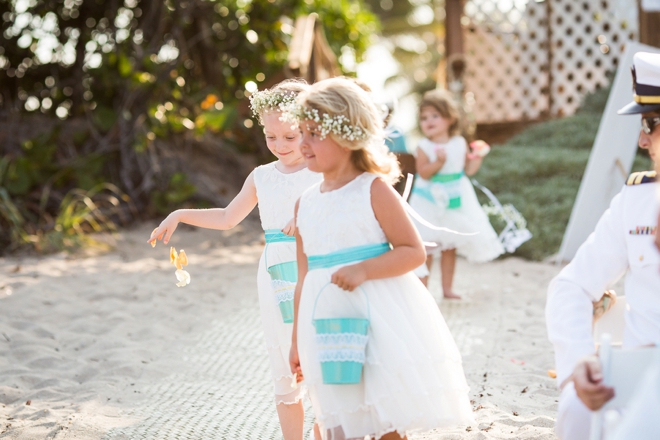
{"type": "Point", "coordinates": [283, 278]}
{"type": "Point", "coordinates": [341, 344]}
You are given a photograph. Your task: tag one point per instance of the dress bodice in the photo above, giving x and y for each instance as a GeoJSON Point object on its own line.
{"type": "Point", "coordinates": [278, 192]}
{"type": "Point", "coordinates": [339, 219]}
{"type": "Point", "coordinates": [456, 149]}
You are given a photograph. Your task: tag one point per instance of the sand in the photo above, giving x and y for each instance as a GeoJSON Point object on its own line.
{"type": "Point", "coordinates": [107, 347]}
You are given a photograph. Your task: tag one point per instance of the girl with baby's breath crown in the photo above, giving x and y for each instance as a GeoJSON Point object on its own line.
{"type": "Point", "coordinates": [356, 250]}
{"type": "Point", "coordinates": [275, 187]}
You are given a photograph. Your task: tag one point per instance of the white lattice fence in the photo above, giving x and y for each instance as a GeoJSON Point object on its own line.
{"type": "Point", "coordinates": [516, 71]}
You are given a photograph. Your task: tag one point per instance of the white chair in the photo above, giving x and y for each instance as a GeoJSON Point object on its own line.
{"type": "Point", "coordinates": [612, 322]}
{"type": "Point", "coordinates": [623, 369]}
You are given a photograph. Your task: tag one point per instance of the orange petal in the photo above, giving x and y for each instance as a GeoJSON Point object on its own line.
{"type": "Point", "coordinates": [173, 255]}
{"type": "Point", "coordinates": [155, 239]}
{"type": "Point", "coordinates": [183, 258]}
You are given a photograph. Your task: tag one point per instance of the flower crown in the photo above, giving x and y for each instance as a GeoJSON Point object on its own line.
{"type": "Point", "coordinates": [339, 125]}
{"type": "Point", "coordinates": [267, 100]}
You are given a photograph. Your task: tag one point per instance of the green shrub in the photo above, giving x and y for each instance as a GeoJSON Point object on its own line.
{"type": "Point", "coordinates": [539, 172]}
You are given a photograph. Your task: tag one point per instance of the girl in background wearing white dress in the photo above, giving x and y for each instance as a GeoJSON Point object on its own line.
{"type": "Point", "coordinates": [275, 187]}
{"type": "Point", "coordinates": [443, 194]}
{"type": "Point", "coordinates": [356, 250]}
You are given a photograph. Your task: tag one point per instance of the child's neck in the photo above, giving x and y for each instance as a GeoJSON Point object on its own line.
{"type": "Point", "coordinates": [441, 138]}
{"type": "Point", "coordinates": [292, 167]}
{"type": "Point", "coordinates": [338, 177]}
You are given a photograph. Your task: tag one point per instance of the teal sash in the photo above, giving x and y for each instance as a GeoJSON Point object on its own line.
{"type": "Point", "coordinates": [451, 184]}
{"type": "Point", "coordinates": [444, 178]}
{"type": "Point", "coordinates": [348, 255]}
{"type": "Point", "coordinates": [277, 236]}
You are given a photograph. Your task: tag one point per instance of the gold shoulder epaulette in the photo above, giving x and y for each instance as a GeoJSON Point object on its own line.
{"type": "Point", "coordinates": [641, 177]}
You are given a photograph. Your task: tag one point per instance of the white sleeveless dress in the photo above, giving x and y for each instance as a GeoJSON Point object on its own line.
{"type": "Point", "coordinates": [277, 194]}
{"type": "Point", "coordinates": [413, 378]}
{"type": "Point", "coordinates": [449, 200]}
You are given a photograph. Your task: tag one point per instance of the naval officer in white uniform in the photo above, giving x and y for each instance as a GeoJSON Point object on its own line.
{"type": "Point", "coordinates": [623, 244]}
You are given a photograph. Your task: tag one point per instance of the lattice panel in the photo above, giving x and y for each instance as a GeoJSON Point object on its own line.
{"type": "Point", "coordinates": [515, 74]}
{"type": "Point", "coordinates": [588, 38]}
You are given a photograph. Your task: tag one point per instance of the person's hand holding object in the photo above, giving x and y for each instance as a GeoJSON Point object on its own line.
{"type": "Point", "coordinates": [588, 380]}
{"type": "Point", "coordinates": [479, 149]}
{"type": "Point", "coordinates": [349, 277]}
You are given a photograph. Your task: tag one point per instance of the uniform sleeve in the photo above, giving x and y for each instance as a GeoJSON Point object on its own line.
{"type": "Point", "coordinates": [599, 263]}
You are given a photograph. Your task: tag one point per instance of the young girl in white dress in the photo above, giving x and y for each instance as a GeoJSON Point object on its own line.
{"type": "Point", "coordinates": [443, 194]}
{"type": "Point", "coordinates": [275, 187]}
{"type": "Point", "coordinates": [356, 250]}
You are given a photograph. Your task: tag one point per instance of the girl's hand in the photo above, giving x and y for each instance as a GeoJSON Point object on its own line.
{"type": "Point", "coordinates": [480, 148]}
{"type": "Point", "coordinates": [165, 230]}
{"type": "Point", "coordinates": [349, 277]}
{"type": "Point", "coordinates": [290, 228]}
{"type": "Point", "coordinates": [294, 363]}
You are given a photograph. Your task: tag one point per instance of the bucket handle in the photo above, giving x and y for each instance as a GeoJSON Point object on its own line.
{"type": "Point", "coordinates": [318, 295]}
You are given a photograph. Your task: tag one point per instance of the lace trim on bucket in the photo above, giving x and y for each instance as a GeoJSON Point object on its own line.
{"type": "Point", "coordinates": [284, 290]}
{"type": "Point", "coordinates": [341, 347]}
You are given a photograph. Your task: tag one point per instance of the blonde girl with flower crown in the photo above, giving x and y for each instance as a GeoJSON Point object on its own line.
{"type": "Point", "coordinates": [443, 194]}
{"type": "Point", "coordinates": [274, 187]}
{"type": "Point", "coordinates": [356, 250]}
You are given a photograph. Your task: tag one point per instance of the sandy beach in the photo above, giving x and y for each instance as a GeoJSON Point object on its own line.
{"type": "Point", "coordinates": [107, 347]}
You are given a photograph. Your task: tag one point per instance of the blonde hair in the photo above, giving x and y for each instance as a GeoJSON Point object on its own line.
{"type": "Point", "coordinates": [277, 98]}
{"type": "Point", "coordinates": [442, 101]}
{"type": "Point", "coordinates": [341, 98]}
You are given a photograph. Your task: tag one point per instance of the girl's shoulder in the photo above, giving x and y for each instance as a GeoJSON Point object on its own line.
{"type": "Point", "coordinates": [264, 174]}
{"type": "Point", "coordinates": [265, 168]}
{"type": "Point", "coordinates": [311, 191]}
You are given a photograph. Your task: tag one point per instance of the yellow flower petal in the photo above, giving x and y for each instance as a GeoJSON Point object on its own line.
{"type": "Point", "coordinates": [183, 258]}
{"type": "Point", "coordinates": [155, 240]}
{"type": "Point", "coordinates": [173, 255]}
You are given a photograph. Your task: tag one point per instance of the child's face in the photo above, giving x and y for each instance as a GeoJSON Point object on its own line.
{"type": "Point", "coordinates": [321, 155]}
{"type": "Point", "coordinates": [433, 124]}
{"type": "Point", "coordinates": [282, 140]}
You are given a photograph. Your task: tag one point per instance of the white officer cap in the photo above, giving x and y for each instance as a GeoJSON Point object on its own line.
{"type": "Point", "coordinates": [646, 84]}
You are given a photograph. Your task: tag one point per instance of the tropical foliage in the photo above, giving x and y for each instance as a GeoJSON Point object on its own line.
{"type": "Point", "coordinates": [92, 92]}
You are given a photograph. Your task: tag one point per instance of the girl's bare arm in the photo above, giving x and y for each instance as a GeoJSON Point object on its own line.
{"type": "Point", "coordinates": [408, 251]}
{"type": "Point", "coordinates": [472, 165]}
{"type": "Point", "coordinates": [427, 169]}
{"type": "Point", "coordinates": [302, 272]}
{"type": "Point", "coordinates": [216, 218]}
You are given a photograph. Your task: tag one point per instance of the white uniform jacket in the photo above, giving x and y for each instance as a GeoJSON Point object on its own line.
{"type": "Point", "coordinates": [622, 244]}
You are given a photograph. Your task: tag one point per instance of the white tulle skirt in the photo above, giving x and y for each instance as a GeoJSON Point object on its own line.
{"type": "Point", "coordinates": [277, 334]}
{"type": "Point", "coordinates": [429, 202]}
{"type": "Point", "coordinates": [412, 380]}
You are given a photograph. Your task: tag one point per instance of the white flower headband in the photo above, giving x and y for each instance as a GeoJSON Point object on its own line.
{"type": "Point", "coordinates": [267, 100]}
{"type": "Point", "coordinates": [338, 124]}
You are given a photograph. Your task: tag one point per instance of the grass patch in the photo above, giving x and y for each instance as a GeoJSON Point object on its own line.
{"type": "Point", "coordinates": [539, 172]}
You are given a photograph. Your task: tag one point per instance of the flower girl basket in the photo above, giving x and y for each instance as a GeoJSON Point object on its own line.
{"type": "Point", "coordinates": [341, 345]}
{"type": "Point", "coordinates": [283, 277]}
{"type": "Point", "coordinates": [515, 233]}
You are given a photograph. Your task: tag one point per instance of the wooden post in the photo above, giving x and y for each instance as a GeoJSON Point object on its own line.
{"type": "Point", "coordinates": [550, 50]}
{"type": "Point", "coordinates": [453, 29]}
{"type": "Point", "coordinates": [649, 26]}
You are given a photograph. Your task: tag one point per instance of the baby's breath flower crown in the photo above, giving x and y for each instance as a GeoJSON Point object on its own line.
{"type": "Point", "coordinates": [270, 100]}
{"type": "Point", "coordinates": [338, 125]}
